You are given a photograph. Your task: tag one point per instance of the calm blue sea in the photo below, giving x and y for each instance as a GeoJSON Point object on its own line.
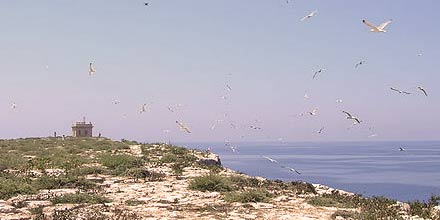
{"type": "Point", "coordinates": [368, 168]}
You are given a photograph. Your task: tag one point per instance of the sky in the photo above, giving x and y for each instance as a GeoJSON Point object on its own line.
{"type": "Point", "coordinates": [184, 54]}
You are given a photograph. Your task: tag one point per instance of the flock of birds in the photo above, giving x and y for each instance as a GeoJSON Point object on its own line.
{"type": "Point", "coordinates": [254, 126]}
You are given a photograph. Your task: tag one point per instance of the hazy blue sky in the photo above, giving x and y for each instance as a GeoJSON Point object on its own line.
{"type": "Point", "coordinates": [182, 52]}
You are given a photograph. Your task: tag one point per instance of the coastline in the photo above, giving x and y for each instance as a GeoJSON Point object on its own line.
{"type": "Point", "coordinates": [158, 189]}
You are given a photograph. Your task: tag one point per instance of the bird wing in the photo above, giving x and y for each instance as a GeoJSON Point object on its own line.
{"type": "Point", "coordinates": [383, 25]}
{"type": "Point", "coordinates": [369, 24]}
{"type": "Point", "coordinates": [407, 93]}
{"type": "Point", "coordinates": [394, 89]}
{"type": "Point", "coordinates": [314, 75]}
{"type": "Point", "coordinates": [357, 120]}
{"type": "Point", "coordinates": [423, 90]}
{"type": "Point", "coordinates": [348, 114]}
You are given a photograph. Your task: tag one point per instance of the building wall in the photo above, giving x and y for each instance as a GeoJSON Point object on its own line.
{"type": "Point", "coordinates": [82, 131]}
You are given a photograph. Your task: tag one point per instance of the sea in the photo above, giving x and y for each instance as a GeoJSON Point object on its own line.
{"type": "Point", "coordinates": [367, 168]}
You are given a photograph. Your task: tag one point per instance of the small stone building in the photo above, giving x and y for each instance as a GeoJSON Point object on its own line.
{"type": "Point", "coordinates": [82, 129]}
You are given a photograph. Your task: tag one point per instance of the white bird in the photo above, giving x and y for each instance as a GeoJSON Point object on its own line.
{"type": "Point", "coordinates": [402, 149]}
{"type": "Point", "coordinates": [91, 69]}
{"type": "Point", "coordinates": [224, 97]}
{"type": "Point", "coordinates": [291, 169]}
{"type": "Point", "coordinates": [170, 109]}
{"type": "Point", "coordinates": [380, 28]}
{"type": "Point", "coordinates": [270, 159]}
{"type": "Point", "coordinates": [14, 106]}
{"type": "Point", "coordinates": [316, 73]}
{"type": "Point", "coordinates": [339, 101]}
{"type": "Point", "coordinates": [143, 108]}
{"type": "Point", "coordinates": [320, 130]}
{"type": "Point", "coordinates": [372, 135]}
{"type": "Point", "coordinates": [400, 91]}
{"type": "Point", "coordinates": [314, 111]}
{"type": "Point", "coordinates": [423, 90]}
{"type": "Point", "coordinates": [351, 117]}
{"type": "Point", "coordinates": [306, 96]}
{"type": "Point", "coordinates": [183, 127]}
{"type": "Point", "coordinates": [234, 149]}
{"type": "Point", "coordinates": [228, 88]}
{"type": "Point", "coordinates": [255, 127]}
{"type": "Point", "coordinates": [359, 63]}
{"type": "Point", "coordinates": [311, 14]}
{"type": "Point", "coordinates": [419, 54]}
{"type": "Point", "coordinates": [116, 102]}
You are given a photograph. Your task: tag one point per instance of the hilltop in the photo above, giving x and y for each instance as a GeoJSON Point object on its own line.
{"type": "Point", "coordinates": [97, 178]}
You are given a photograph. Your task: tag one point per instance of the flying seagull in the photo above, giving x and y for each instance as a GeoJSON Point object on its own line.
{"type": "Point", "coordinates": [320, 130]}
{"type": "Point", "coordinates": [311, 14]}
{"type": "Point", "coordinates": [291, 169]}
{"type": "Point", "coordinates": [423, 90]}
{"type": "Point", "coordinates": [380, 28]}
{"type": "Point", "coordinates": [255, 127]}
{"type": "Point", "coordinates": [359, 63]}
{"type": "Point", "coordinates": [116, 102]}
{"type": "Point", "coordinates": [402, 149]}
{"type": "Point", "coordinates": [146, 3]}
{"type": "Point", "coordinates": [143, 108]}
{"type": "Point", "coordinates": [339, 101]}
{"type": "Point", "coordinates": [91, 69]}
{"type": "Point", "coordinates": [270, 159]}
{"type": "Point", "coordinates": [306, 96]}
{"type": "Point", "coordinates": [316, 73]}
{"type": "Point", "coordinates": [314, 111]}
{"type": "Point", "coordinates": [14, 106]}
{"type": "Point", "coordinates": [400, 91]}
{"type": "Point", "coordinates": [351, 117]}
{"type": "Point", "coordinates": [183, 127]}
{"type": "Point", "coordinates": [228, 88]}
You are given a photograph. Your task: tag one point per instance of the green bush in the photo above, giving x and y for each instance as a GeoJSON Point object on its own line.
{"type": "Point", "coordinates": [212, 183]}
{"type": "Point", "coordinates": [80, 198]}
{"type": "Point", "coordinates": [119, 163]}
{"type": "Point", "coordinates": [251, 195]}
{"type": "Point", "coordinates": [11, 186]}
{"type": "Point", "coordinates": [143, 173]}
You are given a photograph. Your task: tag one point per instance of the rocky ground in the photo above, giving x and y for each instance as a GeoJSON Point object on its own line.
{"type": "Point", "coordinates": [161, 184]}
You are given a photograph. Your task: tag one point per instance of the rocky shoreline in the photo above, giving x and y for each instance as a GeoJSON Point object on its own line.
{"type": "Point", "coordinates": [158, 189]}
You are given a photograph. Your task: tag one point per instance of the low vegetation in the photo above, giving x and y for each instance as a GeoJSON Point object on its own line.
{"type": "Point", "coordinates": [80, 198]}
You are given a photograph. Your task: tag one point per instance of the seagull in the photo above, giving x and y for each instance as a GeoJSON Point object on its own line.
{"type": "Point", "coordinates": [143, 108]}
{"type": "Point", "coordinates": [270, 159]}
{"type": "Point", "coordinates": [320, 130]}
{"type": "Point", "coordinates": [380, 28]}
{"type": "Point", "coordinates": [170, 109]}
{"type": "Point", "coordinates": [316, 73]}
{"type": "Point", "coordinates": [402, 149]}
{"type": "Point", "coordinates": [306, 96]}
{"type": "Point", "coordinates": [351, 117]}
{"type": "Point", "coordinates": [14, 106]}
{"type": "Point", "coordinates": [146, 3]}
{"type": "Point", "coordinates": [116, 102]}
{"type": "Point", "coordinates": [314, 111]}
{"type": "Point", "coordinates": [183, 127]}
{"type": "Point", "coordinates": [255, 127]}
{"type": "Point", "coordinates": [311, 14]}
{"type": "Point", "coordinates": [291, 169]}
{"type": "Point", "coordinates": [339, 101]}
{"type": "Point", "coordinates": [419, 54]}
{"type": "Point", "coordinates": [423, 90]}
{"type": "Point", "coordinates": [228, 88]}
{"type": "Point", "coordinates": [91, 69]}
{"type": "Point", "coordinates": [400, 91]}
{"type": "Point", "coordinates": [359, 63]}
{"type": "Point", "coordinates": [234, 149]}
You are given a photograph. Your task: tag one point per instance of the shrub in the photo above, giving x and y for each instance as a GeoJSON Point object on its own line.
{"type": "Point", "coordinates": [120, 163]}
{"type": "Point", "coordinates": [143, 173]}
{"type": "Point", "coordinates": [134, 202]}
{"type": "Point", "coordinates": [80, 198]}
{"type": "Point", "coordinates": [211, 182]}
{"type": "Point", "coordinates": [252, 195]}
{"type": "Point", "coordinates": [11, 186]}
